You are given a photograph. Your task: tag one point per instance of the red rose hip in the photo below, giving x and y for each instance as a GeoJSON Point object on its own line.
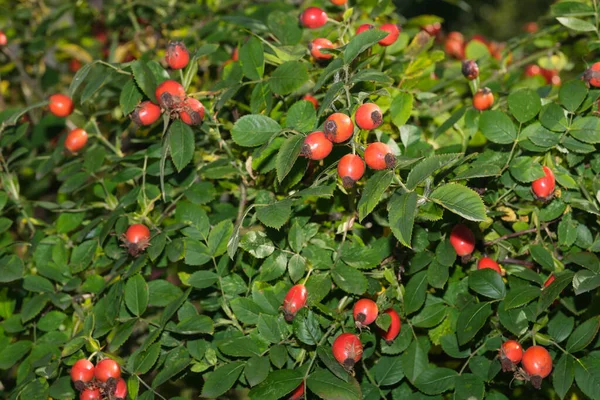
{"type": "Point", "coordinates": [312, 99]}
{"type": "Point", "coordinates": [192, 111]}
{"type": "Point", "coordinates": [294, 300]}
{"type": "Point", "coordinates": [169, 94]}
{"type": "Point", "coordinates": [592, 75]}
{"type": "Point", "coordinates": [363, 28]}
{"type": "Point", "coordinates": [394, 32]}
{"type": "Point", "coordinates": [315, 48]}
{"type": "Point", "coordinates": [177, 56]}
{"type": "Point", "coordinates": [543, 188]}
{"type": "Point", "coordinates": [549, 281]}
{"type": "Point", "coordinates": [510, 354]}
{"type": "Point", "coordinates": [379, 156]}
{"type": "Point", "coordinates": [90, 394]}
{"type": "Point", "coordinates": [3, 39]}
{"type": "Point", "coordinates": [107, 369]}
{"type": "Point", "coordinates": [537, 363]}
{"type": "Point", "coordinates": [313, 17]}
{"type": "Point", "coordinates": [298, 393]}
{"type": "Point", "coordinates": [365, 312]}
{"type": "Point", "coordinates": [368, 116]}
{"type": "Point", "coordinates": [488, 263]}
{"type": "Point", "coordinates": [350, 168]}
{"type": "Point", "coordinates": [394, 328]}
{"type": "Point", "coordinates": [136, 239]}
{"type": "Point", "coordinates": [347, 350]}
{"type": "Point", "coordinates": [483, 99]}
{"type": "Point", "coordinates": [76, 140]}
{"type": "Point", "coordinates": [338, 127]}
{"type": "Point", "coordinates": [61, 105]}
{"type": "Point", "coordinates": [146, 113]}
{"type": "Point", "coordinates": [120, 390]}
{"type": "Point", "coordinates": [82, 370]}
{"type": "Point", "coordinates": [470, 69]}
{"type": "Point", "coordinates": [316, 146]}
{"type": "Point", "coordinates": [463, 240]}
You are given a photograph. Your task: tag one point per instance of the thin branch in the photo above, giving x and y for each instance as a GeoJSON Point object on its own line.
{"type": "Point", "coordinates": [517, 234]}
{"type": "Point", "coordinates": [516, 261]}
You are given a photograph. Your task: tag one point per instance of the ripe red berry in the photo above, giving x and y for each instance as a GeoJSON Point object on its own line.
{"type": "Point", "coordinates": [463, 240]}
{"type": "Point", "coordinates": [394, 32]}
{"type": "Point", "coordinates": [530, 27]}
{"type": "Point", "coordinates": [364, 27]}
{"type": "Point", "coordinates": [316, 146]}
{"type": "Point", "coordinates": [455, 45]}
{"type": "Point", "coordinates": [487, 262]}
{"type": "Point", "coordinates": [347, 350]}
{"type": "Point", "coordinates": [82, 370]}
{"type": "Point", "coordinates": [339, 2]}
{"type": "Point", "coordinates": [170, 94]}
{"type": "Point", "coordinates": [592, 75]}
{"type": "Point", "coordinates": [470, 69]}
{"type": "Point", "coordinates": [3, 39]}
{"type": "Point", "coordinates": [146, 113]}
{"type": "Point", "coordinates": [298, 393]}
{"type": "Point", "coordinates": [394, 328]}
{"type": "Point", "coordinates": [136, 238]}
{"type": "Point", "coordinates": [74, 65]}
{"type": "Point", "coordinates": [315, 48]}
{"type": "Point", "coordinates": [533, 70]}
{"type": "Point", "coordinates": [368, 116]}
{"type": "Point", "coordinates": [192, 111]}
{"type": "Point", "coordinates": [107, 369]}
{"type": "Point", "coordinates": [350, 168]}
{"type": "Point", "coordinates": [90, 394]}
{"type": "Point", "coordinates": [338, 127]}
{"type": "Point", "coordinates": [379, 156]}
{"type": "Point", "coordinates": [433, 29]}
{"type": "Point", "coordinates": [549, 281]}
{"type": "Point", "coordinates": [312, 99]}
{"type": "Point", "coordinates": [537, 363]}
{"type": "Point", "coordinates": [76, 140]}
{"type": "Point", "coordinates": [177, 56]}
{"type": "Point", "coordinates": [294, 300]}
{"type": "Point", "coordinates": [365, 312]}
{"type": "Point", "coordinates": [510, 354]}
{"type": "Point", "coordinates": [61, 105]}
{"type": "Point", "coordinates": [313, 17]}
{"type": "Point", "coordinates": [544, 187]}
{"type": "Point", "coordinates": [483, 99]}
{"type": "Point", "coordinates": [120, 390]}
{"type": "Point", "coordinates": [235, 55]}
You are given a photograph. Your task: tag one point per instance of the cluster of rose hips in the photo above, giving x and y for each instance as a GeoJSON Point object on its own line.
{"type": "Point", "coordinates": [347, 348]}
{"type": "Point", "coordinates": [100, 382]}
{"type": "Point", "coordinates": [550, 75]}
{"type": "Point", "coordinates": [455, 45]}
{"type": "Point", "coordinates": [62, 106]}
{"type": "Point", "coordinates": [536, 362]}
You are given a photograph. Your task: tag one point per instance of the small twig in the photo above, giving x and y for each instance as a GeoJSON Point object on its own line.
{"type": "Point", "coordinates": [242, 205]}
{"type": "Point", "coordinates": [515, 261]}
{"type": "Point", "coordinates": [517, 234]}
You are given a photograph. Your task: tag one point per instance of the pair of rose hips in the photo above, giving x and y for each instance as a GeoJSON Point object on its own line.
{"type": "Point", "coordinates": [536, 361]}
{"type": "Point", "coordinates": [136, 239]}
{"type": "Point", "coordinates": [171, 96]}
{"type": "Point", "coordinates": [94, 382]}
{"type": "Point", "coordinates": [550, 75]}
{"type": "Point", "coordinates": [62, 106]}
{"type": "Point", "coordinates": [463, 241]}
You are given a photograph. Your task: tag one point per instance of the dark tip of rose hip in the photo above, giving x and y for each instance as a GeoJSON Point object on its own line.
{"type": "Point", "coordinates": [306, 152]}
{"type": "Point", "coordinates": [349, 363]}
{"type": "Point", "coordinates": [536, 381]}
{"type": "Point", "coordinates": [465, 259]}
{"type": "Point", "coordinates": [195, 117]}
{"type": "Point", "coordinates": [79, 385]}
{"type": "Point", "coordinates": [486, 90]}
{"type": "Point", "coordinates": [390, 160]}
{"type": "Point", "coordinates": [135, 117]}
{"type": "Point", "coordinates": [376, 117]}
{"type": "Point", "coordinates": [330, 128]}
{"type": "Point", "coordinates": [507, 365]}
{"type": "Point", "coordinates": [348, 182]}
{"type": "Point", "coordinates": [167, 99]}
{"type": "Point", "coordinates": [389, 342]}
{"type": "Point", "coordinates": [288, 316]}
{"type": "Point", "coordinates": [361, 317]}
{"type": "Point", "coordinates": [310, 46]}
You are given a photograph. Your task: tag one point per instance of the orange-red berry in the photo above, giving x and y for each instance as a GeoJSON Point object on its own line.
{"type": "Point", "coordinates": [90, 394]}
{"type": "Point", "coordinates": [170, 94]}
{"type": "Point", "coordinates": [298, 393]}
{"type": "Point", "coordinates": [379, 156]}
{"type": "Point", "coordinates": [177, 56]}
{"type": "Point", "coordinates": [312, 99]}
{"type": "Point", "coordinates": [510, 354]}
{"type": "Point", "coordinates": [368, 116]}
{"type": "Point", "coordinates": [537, 364]}
{"type": "Point", "coordinates": [107, 369]}
{"type": "Point", "coordinates": [363, 28]}
{"type": "Point", "coordinates": [483, 99]}
{"type": "Point", "coordinates": [146, 113]}
{"type": "Point", "coordinates": [76, 140]}
{"type": "Point", "coordinates": [120, 390]}
{"type": "Point", "coordinates": [136, 238]}
{"type": "Point", "coordinates": [394, 328]}
{"type": "Point", "coordinates": [316, 146]}
{"type": "Point", "coordinates": [315, 48]}
{"type": "Point", "coordinates": [350, 168]}
{"type": "Point", "coordinates": [294, 300]}
{"type": "Point", "coordinates": [394, 32]}
{"type": "Point", "coordinates": [82, 370]}
{"type": "Point", "coordinates": [592, 75]}
{"type": "Point", "coordinates": [543, 188]}
{"type": "Point", "coordinates": [339, 2]}
{"type": "Point", "coordinates": [347, 350]}
{"type": "Point", "coordinates": [463, 240]}
{"type": "Point", "coordinates": [3, 39]}
{"type": "Point", "coordinates": [60, 105]}
{"type": "Point", "coordinates": [488, 263]}
{"type": "Point", "coordinates": [338, 127]}
{"type": "Point", "coordinates": [365, 312]}
{"type": "Point", "coordinates": [313, 17]}
{"type": "Point", "coordinates": [192, 111]}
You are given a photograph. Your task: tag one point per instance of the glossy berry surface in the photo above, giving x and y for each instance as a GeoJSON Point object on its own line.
{"type": "Point", "coordinates": [394, 328]}
{"type": "Point", "coordinates": [339, 2]}
{"type": "Point", "coordinates": [316, 146]}
{"type": "Point", "coordinates": [549, 281]}
{"type": "Point", "coordinates": [120, 389]}
{"type": "Point", "coordinates": [347, 350]}
{"type": "Point", "coordinates": [363, 28]}
{"type": "Point", "coordinates": [107, 369]}
{"type": "Point", "coordinates": [60, 105]}
{"type": "Point", "coordinates": [488, 263]}
{"type": "Point", "coordinates": [177, 56]}
{"type": "Point", "coordinates": [82, 370]}
{"type": "Point", "coordinates": [483, 99]}
{"type": "Point", "coordinates": [365, 312]}
{"type": "Point", "coordinates": [76, 140]}
{"type": "Point", "coordinates": [146, 113]}
{"type": "Point", "coordinates": [192, 111]}
{"type": "Point", "coordinates": [137, 233]}
{"type": "Point", "coordinates": [298, 393]}
{"type": "Point", "coordinates": [368, 116]}
{"type": "Point", "coordinates": [169, 94]}
{"type": "Point", "coordinates": [3, 39]}
{"type": "Point", "coordinates": [544, 187]}
{"type": "Point", "coordinates": [294, 300]}
{"type": "Point", "coordinates": [379, 156]}
{"type": "Point", "coordinates": [312, 99]}
{"type": "Point", "coordinates": [390, 39]}
{"type": "Point", "coordinates": [463, 240]}
{"type": "Point", "coordinates": [537, 361]}
{"type": "Point", "coordinates": [470, 69]}
{"type": "Point", "coordinates": [338, 127]}
{"type": "Point", "coordinates": [433, 29]}
{"type": "Point", "coordinates": [512, 350]}
{"type": "Point", "coordinates": [592, 75]}
{"type": "Point", "coordinates": [315, 48]}
{"type": "Point", "coordinates": [90, 394]}
{"type": "Point", "coordinates": [350, 168]}
{"type": "Point", "coordinates": [313, 17]}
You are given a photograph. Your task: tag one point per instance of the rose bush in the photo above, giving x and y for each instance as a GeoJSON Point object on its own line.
{"type": "Point", "coordinates": [183, 190]}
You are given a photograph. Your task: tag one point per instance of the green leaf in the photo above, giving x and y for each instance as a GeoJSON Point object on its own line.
{"type": "Point", "coordinates": [524, 104]}
{"type": "Point", "coordinates": [288, 77]}
{"type": "Point", "coordinates": [302, 116]}
{"type": "Point", "coordinates": [540, 136]}
{"type": "Point", "coordinates": [325, 385]}
{"type": "Point", "coordinates": [181, 144]}
{"type": "Point", "coordinates": [430, 316]}
{"type": "Point", "coordinates": [437, 274]}
{"type": "Point", "coordinates": [297, 267]}
{"type": "Point", "coordinates": [145, 360]}
{"type": "Point", "coordinates": [288, 154]}
{"type": "Point", "coordinates": [460, 200]}
{"type": "Point", "coordinates": [551, 292]}
{"type": "Point", "coordinates": [193, 325]}
{"type": "Point", "coordinates": [136, 294]}
{"type": "Point", "coordinates": [254, 130]}
{"type": "Point", "coordinates": [436, 380]}
{"type": "Point", "coordinates": [525, 169]}
{"type": "Point", "coordinates": [553, 117]}
{"type": "Point", "coordinates": [36, 283]}
{"type": "Point", "coordinates": [144, 78]}
{"type": "Point", "coordinates": [520, 296]}
{"type": "Point", "coordinates": [362, 42]}
{"type": "Point", "coordinates": [257, 370]}
{"type": "Point", "coordinates": [218, 238]}
{"type": "Point", "coordinates": [401, 216]}
{"type": "Point", "coordinates": [272, 328]}
{"type": "Point", "coordinates": [471, 319]}
{"type": "Point", "coordinates": [576, 24]}
{"type": "Point", "coordinates": [563, 375]}
{"type": "Point", "coordinates": [246, 310]}
{"type": "Point", "coordinates": [376, 186]}
{"type": "Point", "coordinates": [414, 361]}
{"type": "Point", "coordinates": [11, 268]}
{"type": "Point", "coordinates": [587, 376]}
{"type": "Point", "coordinates": [252, 58]}
{"type": "Point", "coordinates": [416, 289]}
{"type": "Point", "coordinates": [222, 379]}
{"type": "Point", "coordinates": [586, 129]}
{"type": "Point", "coordinates": [401, 108]}
{"type": "Point", "coordinates": [583, 335]}
{"type": "Point", "coordinates": [585, 281]}
{"type": "Point", "coordinates": [469, 386]}
{"type": "Point", "coordinates": [284, 27]}
{"type": "Point", "coordinates": [388, 371]}
{"type": "Point", "coordinates": [349, 279]}
{"type": "Point", "coordinates": [497, 127]}
{"type": "Point", "coordinates": [275, 215]}
{"type": "Point", "coordinates": [307, 328]}
{"type": "Point", "coordinates": [572, 94]}
{"type": "Point", "coordinates": [12, 353]}
{"type": "Point", "coordinates": [196, 253]}
{"type": "Point", "coordinates": [426, 168]}
{"type": "Point", "coordinates": [488, 283]}
{"type": "Point", "coordinates": [542, 256]}
{"type": "Point", "coordinates": [278, 384]}
{"type": "Point", "coordinates": [130, 97]}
